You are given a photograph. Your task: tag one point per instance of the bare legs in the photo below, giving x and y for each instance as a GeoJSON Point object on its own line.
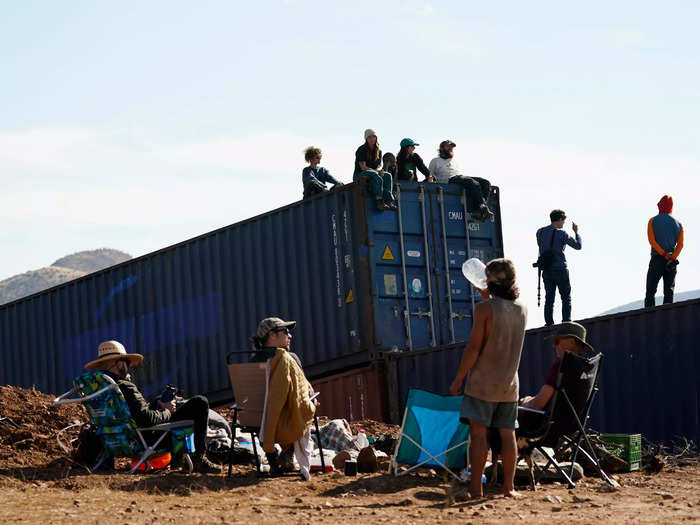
{"type": "Point", "coordinates": [478, 450]}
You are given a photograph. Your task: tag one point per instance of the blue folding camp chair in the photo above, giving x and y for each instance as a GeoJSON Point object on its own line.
{"type": "Point", "coordinates": [120, 435]}
{"type": "Point", "coordinates": [431, 433]}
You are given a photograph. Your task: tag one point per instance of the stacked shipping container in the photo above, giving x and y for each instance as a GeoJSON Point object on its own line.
{"type": "Point", "coordinates": [357, 280]}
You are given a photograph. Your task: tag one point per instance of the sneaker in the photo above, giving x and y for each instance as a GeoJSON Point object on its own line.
{"type": "Point", "coordinates": [202, 465]}
{"type": "Point", "coordinates": [390, 205]}
{"type": "Point", "coordinates": [486, 214]}
{"type": "Point", "coordinates": [380, 205]}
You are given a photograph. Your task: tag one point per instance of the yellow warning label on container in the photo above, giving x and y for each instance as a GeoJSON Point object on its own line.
{"type": "Point", "coordinates": [387, 255]}
{"type": "Point", "coordinates": [350, 298]}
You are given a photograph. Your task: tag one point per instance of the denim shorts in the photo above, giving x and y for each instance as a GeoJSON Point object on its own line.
{"type": "Point", "coordinates": [489, 413]}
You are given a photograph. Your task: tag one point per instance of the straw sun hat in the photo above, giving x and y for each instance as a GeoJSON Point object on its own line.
{"type": "Point", "coordinates": [111, 351]}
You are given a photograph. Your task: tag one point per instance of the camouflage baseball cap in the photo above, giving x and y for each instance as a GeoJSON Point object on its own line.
{"type": "Point", "coordinates": [272, 323]}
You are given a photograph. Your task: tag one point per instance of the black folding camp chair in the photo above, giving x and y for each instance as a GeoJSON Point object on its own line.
{"type": "Point", "coordinates": [563, 424]}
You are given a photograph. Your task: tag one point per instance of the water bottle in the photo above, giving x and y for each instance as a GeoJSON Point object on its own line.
{"type": "Point", "coordinates": [361, 440]}
{"type": "Point", "coordinates": [475, 272]}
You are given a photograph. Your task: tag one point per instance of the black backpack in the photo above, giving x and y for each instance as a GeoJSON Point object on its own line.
{"type": "Point", "coordinates": [546, 258]}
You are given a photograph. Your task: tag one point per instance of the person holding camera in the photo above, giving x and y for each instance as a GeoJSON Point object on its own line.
{"type": "Point", "coordinates": [666, 238]}
{"type": "Point", "coordinates": [552, 240]}
{"type": "Point", "coordinates": [113, 360]}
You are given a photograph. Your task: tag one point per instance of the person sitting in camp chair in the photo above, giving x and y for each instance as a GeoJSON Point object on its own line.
{"type": "Point", "coordinates": [557, 416]}
{"type": "Point", "coordinates": [290, 410]}
{"type": "Point", "coordinates": [115, 362]}
{"type": "Point", "coordinates": [569, 337]}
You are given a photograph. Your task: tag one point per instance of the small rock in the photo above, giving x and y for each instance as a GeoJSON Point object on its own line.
{"type": "Point", "coordinates": [595, 505]}
{"type": "Point", "coordinates": [263, 499]}
{"type": "Point", "coordinates": [488, 505]}
{"type": "Point", "coordinates": [521, 516]}
{"type": "Point", "coordinates": [298, 500]}
{"type": "Point", "coordinates": [328, 504]}
{"type": "Point", "coordinates": [579, 499]}
{"type": "Point", "coordinates": [76, 503]}
{"type": "Point", "coordinates": [667, 496]}
{"type": "Point", "coordinates": [257, 510]}
{"type": "Point", "coordinates": [128, 509]}
{"type": "Point", "coordinates": [604, 487]}
{"type": "Point", "coordinates": [556, 508]}
{"type": "Point", "coordinates": [552, 499]}
{"type": "Point", "coordinates": [461, 509]}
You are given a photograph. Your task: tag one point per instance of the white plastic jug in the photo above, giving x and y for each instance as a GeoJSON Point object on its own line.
{"type": "Point", "coordinates": [475, 272]}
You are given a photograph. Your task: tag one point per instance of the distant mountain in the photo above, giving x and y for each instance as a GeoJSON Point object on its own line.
{"type": "Point", "coordinates": [681, 296]}
{"type": "Point", "coordinates": [63, 270]}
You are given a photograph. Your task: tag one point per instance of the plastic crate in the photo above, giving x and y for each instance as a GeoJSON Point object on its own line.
{"type": "Point", "coordinates": [626, 446]}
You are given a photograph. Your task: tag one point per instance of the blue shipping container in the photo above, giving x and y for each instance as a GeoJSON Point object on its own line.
{"type": "Point", "coordinates": [649, 373]}
{"type": "Point", "coordinates": [332, 263]}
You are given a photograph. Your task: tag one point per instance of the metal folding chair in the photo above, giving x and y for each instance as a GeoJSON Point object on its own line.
{"type": "Point", "coordinates": [120, 435]}
{"type": "Point", "coordinates": [432, 434]}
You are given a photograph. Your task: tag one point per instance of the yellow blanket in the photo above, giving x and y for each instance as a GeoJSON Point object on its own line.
{"type": "Point", "coordinates": [289, 411]}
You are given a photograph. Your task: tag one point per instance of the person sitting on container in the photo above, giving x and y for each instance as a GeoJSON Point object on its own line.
{"type": "Point", "coordinates": [113, 360]}
{"type": "Point", "coordinates": [569, 337]}
{"type": "Point", "coordinates": [289, 411]}
{"type": "Point", "coordinates": [368, 159]}
{"type": "Point", "coordinates": [408, 161]}
{"type": "Point", "coordinates": [389, 163]}
{"type": "Point", "coordinates": [445, 170]}
{"type": "Point", "coordinates": [313, 176]}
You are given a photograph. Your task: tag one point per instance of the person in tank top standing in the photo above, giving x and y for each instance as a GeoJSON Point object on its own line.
{"type": "Point", "coordinates": [491, 358]}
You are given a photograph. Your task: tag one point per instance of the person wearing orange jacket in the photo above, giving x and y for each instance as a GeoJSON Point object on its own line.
{"type": "Point", "coordinates": [665, 235]}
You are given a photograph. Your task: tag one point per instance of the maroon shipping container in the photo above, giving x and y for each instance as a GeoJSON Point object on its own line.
{"type": "Point", "coordinates": [354, 395]}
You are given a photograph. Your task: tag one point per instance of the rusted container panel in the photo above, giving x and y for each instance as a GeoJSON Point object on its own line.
{"type": "Point", "coordinates": [353, 395]}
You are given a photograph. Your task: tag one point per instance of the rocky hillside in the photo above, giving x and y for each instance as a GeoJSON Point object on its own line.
{"type": "Point", "coordinates": [64, 269]}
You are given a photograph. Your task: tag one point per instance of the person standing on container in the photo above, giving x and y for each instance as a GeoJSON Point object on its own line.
{"type": "Point", "coordinates": [444, 170]}
{"type": "Point", "coordinates": [368, 160]}
{"type": "Point", "coordinates": [666, 238]}
{"type": "Point", "coordinates": [313, 176]}
{"type": "Point", "coordinates": [552, 240]}
{"type": "Point", "coordinates": [491, 358]}
{"type": "Point", "coordinates": [408, 161]}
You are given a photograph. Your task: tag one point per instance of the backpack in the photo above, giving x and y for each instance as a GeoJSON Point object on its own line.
{"type": "Point", "coordinates": [546, 258]}
{"type": "Point", "coordinates": [87, 448]}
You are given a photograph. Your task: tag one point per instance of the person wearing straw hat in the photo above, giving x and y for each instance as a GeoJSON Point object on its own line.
{"type": "Point", "coordinates": [114, 361]}
{"type": "Point", "coordinates": [491, 358]}
{"type": "Point", "coordinates": [568, 337]}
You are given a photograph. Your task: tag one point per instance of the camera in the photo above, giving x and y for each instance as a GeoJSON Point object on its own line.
{"type": "Point", "coordinates": [168, 394]}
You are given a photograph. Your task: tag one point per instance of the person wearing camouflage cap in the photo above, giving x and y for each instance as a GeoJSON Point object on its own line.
{"type": "Point", "coordinates": [272, 341]}
{"type": "Point", "coordinates": [272, 333]}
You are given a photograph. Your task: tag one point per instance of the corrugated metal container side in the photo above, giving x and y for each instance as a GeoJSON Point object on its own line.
{"type": "Point", "coordinates": [649, 374]}
{"type": "Point", "coordinates": [649, 383]}
{"type": "Point", "coordinates": [354, 395]}
{"type": "Point", "coordinates": [332, 263]}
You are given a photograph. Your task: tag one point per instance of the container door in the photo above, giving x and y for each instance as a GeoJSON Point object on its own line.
{"type": "Point", "coordinates": [403, 310]}
{"type": "Point", "coordinates": [457, 239]}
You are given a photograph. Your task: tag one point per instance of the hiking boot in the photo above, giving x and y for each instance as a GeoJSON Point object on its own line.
{"type": "Point", "coordinates": [486, 214]}
{"type": "Point", "coordinates": [202, 465]}
{"type": "Point", "coordinates": [286, 460]}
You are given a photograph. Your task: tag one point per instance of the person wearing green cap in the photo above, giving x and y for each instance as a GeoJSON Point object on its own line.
{"type": "Point", "coordinates": [408, 161]}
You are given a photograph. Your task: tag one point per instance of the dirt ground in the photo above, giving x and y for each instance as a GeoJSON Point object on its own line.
{"type": "Point", "coordinates": [39, 484]}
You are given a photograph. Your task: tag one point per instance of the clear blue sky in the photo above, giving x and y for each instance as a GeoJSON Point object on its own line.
{"type": "Point", "coordinates": [135, 125]}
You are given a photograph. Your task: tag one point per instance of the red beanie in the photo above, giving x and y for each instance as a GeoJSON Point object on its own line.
{"type": "Point", "coordinates": [665, 204]}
